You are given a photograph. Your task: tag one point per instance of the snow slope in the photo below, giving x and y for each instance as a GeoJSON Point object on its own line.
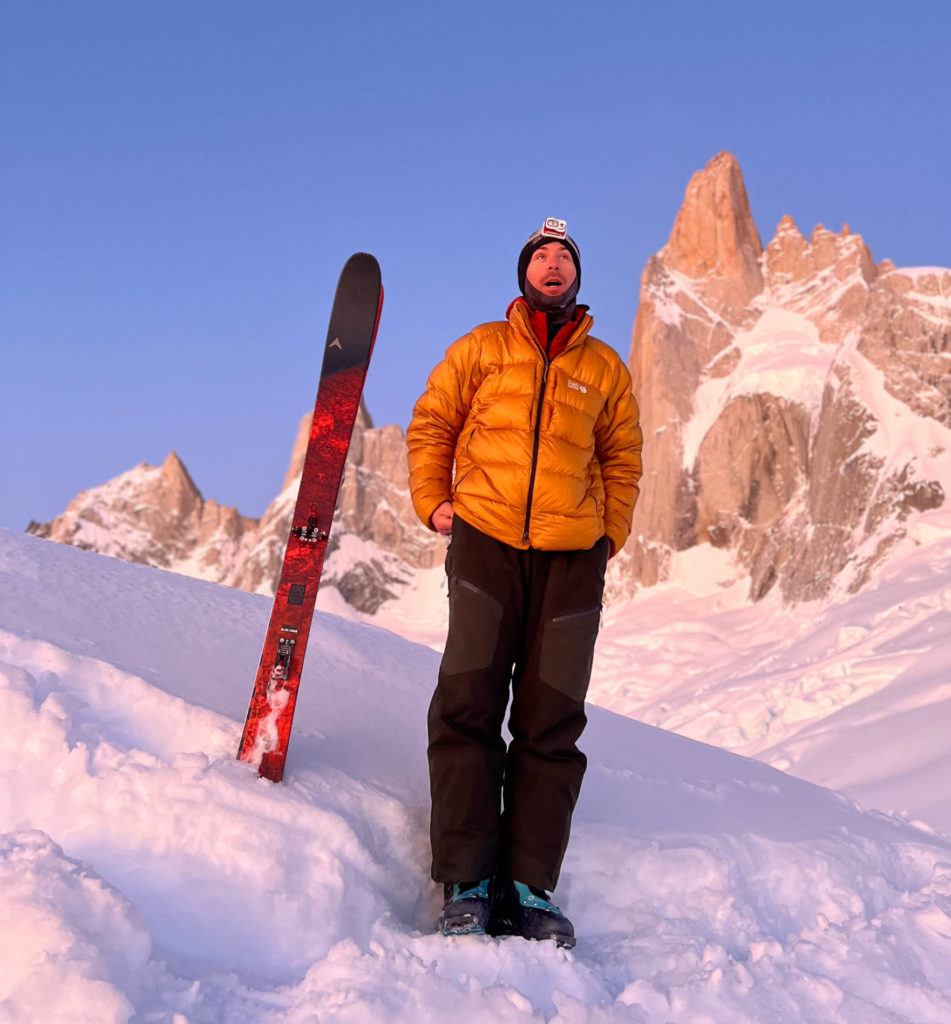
{"type": "Point", "coordinates": [145, 875]}
{"type": "Point", "coordinates": [853, 694]}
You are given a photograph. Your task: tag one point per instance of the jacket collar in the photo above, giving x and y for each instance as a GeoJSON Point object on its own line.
{"type": "Point", "coordinates": [519, 315]}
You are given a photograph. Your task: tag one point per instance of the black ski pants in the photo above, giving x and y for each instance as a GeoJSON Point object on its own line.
{"type": "Point", "coordinates": [525, 622]}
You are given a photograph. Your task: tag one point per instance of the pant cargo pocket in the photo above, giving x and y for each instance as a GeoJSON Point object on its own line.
{"type": "Point", "coordinates": [568, 652]}
{"type": "Point", "coordinates": [475, 619]}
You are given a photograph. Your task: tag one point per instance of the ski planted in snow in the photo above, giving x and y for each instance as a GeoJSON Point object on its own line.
{"type": "Point", "coordinates": [350, 336]}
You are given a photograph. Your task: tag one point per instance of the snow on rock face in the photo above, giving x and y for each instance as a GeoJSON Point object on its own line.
{"type": "Point", "coordinates": [826, 279]}
{"type": "Point", "coordinates": [763, 376]}
{"type": "Point", "coordinates": [153, 877]}
{"type": "Point", "coordinates": [374, 513]}
{"type": "Point", "coordinates": [907, 336]}
{"type": "Point", "coordinates": [758, 417]}
{"type": "Point", "coordinates": [157, 516]}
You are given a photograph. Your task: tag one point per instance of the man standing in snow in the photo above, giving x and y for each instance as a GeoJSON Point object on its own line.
{"type": "Point", "coordinates": [525, 448]}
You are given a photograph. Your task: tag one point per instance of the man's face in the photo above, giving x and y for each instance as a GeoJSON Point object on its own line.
{"type": "Point", "coordinates": [551, 270]}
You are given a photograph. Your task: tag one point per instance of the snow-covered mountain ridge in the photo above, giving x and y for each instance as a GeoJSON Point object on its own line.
{"type": "Point", "coordinates": [796, 401]}
{"type": "Point", "coordinates": [145, 875]}
{"type": "Point", "coordinates": [157, 516]}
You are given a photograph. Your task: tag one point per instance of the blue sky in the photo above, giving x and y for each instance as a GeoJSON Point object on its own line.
{"type": "Point", "coordinates": [180, 183]}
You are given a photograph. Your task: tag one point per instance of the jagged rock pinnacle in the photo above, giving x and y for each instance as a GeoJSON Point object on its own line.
{"type": "Point", "coordinates": [714, 234]}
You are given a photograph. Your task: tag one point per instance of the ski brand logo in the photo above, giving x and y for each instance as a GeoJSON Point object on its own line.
{"type": "Point", "coordinates": [575, 386]}
{"type": "Point", "coordinates": [335, 344]}
{"type": "Point", "coordinates": [554, 226]}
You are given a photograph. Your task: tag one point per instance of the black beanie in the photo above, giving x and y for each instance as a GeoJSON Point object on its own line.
{"type": "Point", "coordinates": [553, 230]}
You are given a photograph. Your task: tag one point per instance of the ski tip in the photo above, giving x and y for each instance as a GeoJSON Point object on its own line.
{"type": "Point", "coordinates": [362, 270]}
{"type": "Point", "coordinates": [363, 260]}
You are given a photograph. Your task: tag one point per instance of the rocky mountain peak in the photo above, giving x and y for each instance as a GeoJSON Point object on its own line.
{"type": "Point", "coordinates": [793, 430]}
{"type": "Point", "coordinates": [376, 542]}
{"type": "Point", "coordinates": [714, 238]}
{"type": "Point", "coordinates": [785, 253]}
{"type": "Point", "coordinates": [175, 489]}
{"type": "Point", "coordinates": [796, 406]}
{"type": "Point", "coordinates": [787, 226]}
{"type": "Point", "coordinates": [826, 278]}
{"type": "Point", "coordinates": [789, 257]}
{"type": "Point", "coordinates": [156, 516]}
{"type": "Point", "coordinates": [175, 473]}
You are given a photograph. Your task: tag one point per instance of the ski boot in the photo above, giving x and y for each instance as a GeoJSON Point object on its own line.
{"type": "Point", "coordinates": [527, 911]}
{"type": "Point", "coordinates": [467, 909]}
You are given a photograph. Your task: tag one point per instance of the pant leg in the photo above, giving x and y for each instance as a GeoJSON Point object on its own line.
{"type": "Point", "coordinates": [544, 766]}
{"type": "Point", "coordinates": [466, 750]}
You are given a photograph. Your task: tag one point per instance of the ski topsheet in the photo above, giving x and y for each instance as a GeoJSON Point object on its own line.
{"type": "Point", "coordinates": [350, 336]}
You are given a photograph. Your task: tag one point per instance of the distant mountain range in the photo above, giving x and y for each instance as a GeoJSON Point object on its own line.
{"type": "Point", "coordinates": [796, 406]}
{"type": "Point", "coordinates": [157, 516]}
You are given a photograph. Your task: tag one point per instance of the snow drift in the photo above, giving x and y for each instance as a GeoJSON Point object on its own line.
{"type": "Point", "coordinates": [146, 875]}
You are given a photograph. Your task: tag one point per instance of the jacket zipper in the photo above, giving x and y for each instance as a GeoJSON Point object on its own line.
{"type": "Point", "coordinates": [538, 430]}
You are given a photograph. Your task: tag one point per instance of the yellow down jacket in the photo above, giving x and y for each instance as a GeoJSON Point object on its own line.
{"type": "Point", "coordinates": [547, 454]}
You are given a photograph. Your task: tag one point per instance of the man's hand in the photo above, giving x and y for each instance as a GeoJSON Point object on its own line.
{"type": "Point", "coordinates": [442, 519]}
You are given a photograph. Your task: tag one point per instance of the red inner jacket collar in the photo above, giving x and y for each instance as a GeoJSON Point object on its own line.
{"type": "Point", "coordinates": [539, 322]}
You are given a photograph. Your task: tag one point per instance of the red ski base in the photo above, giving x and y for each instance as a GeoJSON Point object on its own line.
{"type": "Point", "coordinates": [350, 341]}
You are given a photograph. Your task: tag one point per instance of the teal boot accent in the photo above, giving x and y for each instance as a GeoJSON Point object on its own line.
{"type": "Point", "coordinates": [467, 909]}
{"type": "Point", "coordinates": [527, 911]}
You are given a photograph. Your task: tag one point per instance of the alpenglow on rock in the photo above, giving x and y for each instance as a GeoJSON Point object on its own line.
{"type": "Point", "coordinates": [796, 400]}
{"type": "Point", "coordinates": [796, 405]}
{"type": "Point", "coordinates": [157, 516]}
{"type": "Point", "coordinates": [376, 542]}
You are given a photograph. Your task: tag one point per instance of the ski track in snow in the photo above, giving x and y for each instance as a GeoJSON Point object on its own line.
{"type": "Point", "coordinates": [146, 875]}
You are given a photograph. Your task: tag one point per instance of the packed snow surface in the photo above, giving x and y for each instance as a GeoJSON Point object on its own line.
{"type": "Point", "coordinates": [145, 875]}
{"type": "Point", "coordinates": [854, 694]}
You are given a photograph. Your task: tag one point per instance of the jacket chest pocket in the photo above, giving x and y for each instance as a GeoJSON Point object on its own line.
{"type": "Point", "coordinates": [574, 404]}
